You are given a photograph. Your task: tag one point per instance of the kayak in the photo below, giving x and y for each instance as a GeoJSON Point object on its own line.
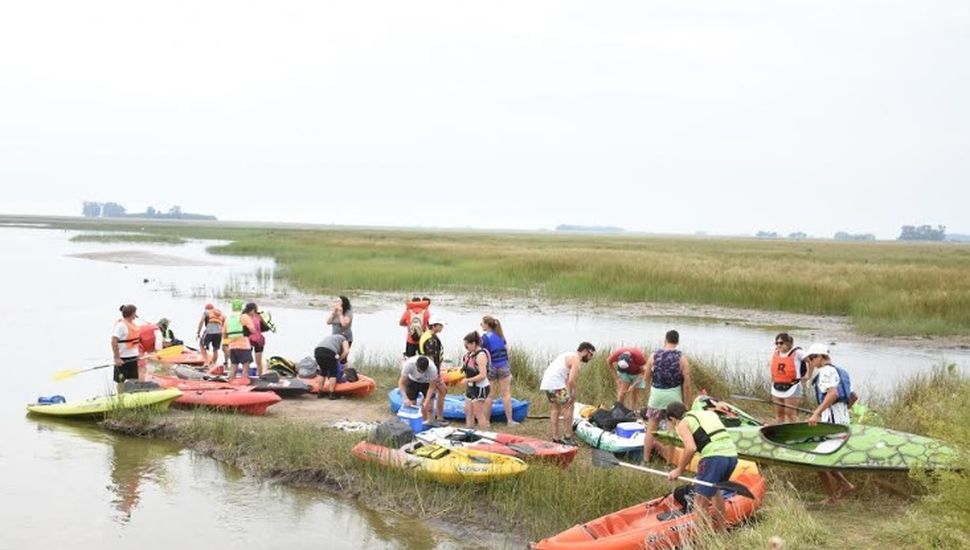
{"type": "Point", "coordinates": [235, 400]}
{"type": "Point", "coordinates": [284, 387]}
{"type": "Point", "coordinates": [187, 357]}
{"type": "Point", "coordinates": [461, 438]}
{"type": "Point", "coordinates": [452, 376]}
{"type": "Point", "coordinates": [361, 388]}
{"type": "Point", "coordinates": [455, 407]}
{"type": "Point", "coordinates": [672, 454]}
{"type": "Point", "coordinates": [442, 464]}
{"type": "Point", "coordinates": [598, 438]}
{"type": "Point", "coordinates": [650, 525]}
{"type": "Point", "coordinates": [190, 385]}
{"type": "Point", "coordinates": [99, 406]}
{"type": "Point", "coordinates": [838, 447]}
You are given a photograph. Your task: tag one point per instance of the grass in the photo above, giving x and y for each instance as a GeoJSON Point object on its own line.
{"type": "Point", "coordinates": [126, 238]}
{"type": "Point", "coordinates": [546, 500]}
{"type": "Point", "coordinates": [885, 288]}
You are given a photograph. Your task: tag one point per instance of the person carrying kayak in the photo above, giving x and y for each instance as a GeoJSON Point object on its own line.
{"type": "Point", "coordinates": [834, 394]}
{"type": "Point", "coordinates": [415, 318]}
{"type": "Point", "coordinates": [559, 384]}
{"type": "Point", "coordinates": [788, 370]}
{"type": "Point", "coordinates": [209, 332]}
{"type": "Point", "coordinates": [626, 365]}
{"type": "Point", "coordinates": [702, 432]}
{"type": "Point", "coordinates": [235, 335]}
{"type": "Point", "coordinates": [419, 375]}
{"type": "Point", "coordinates": [668, 374]}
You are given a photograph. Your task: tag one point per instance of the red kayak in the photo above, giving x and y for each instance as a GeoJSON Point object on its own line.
{"type": "Point", "coordinates": [496, 442]}
{"type": "Point", "coordinates": [361, 388]}
{"type": "Point", "coordinates": [237, 400]}
{"type": "Point", "coordinates": [191, 385]}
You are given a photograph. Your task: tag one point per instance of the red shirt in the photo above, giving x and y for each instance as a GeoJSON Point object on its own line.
{"type": "Point", "coordinates": [637, 361]}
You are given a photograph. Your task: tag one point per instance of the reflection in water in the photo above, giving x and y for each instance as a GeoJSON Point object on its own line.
{"type": "Point", "coordinates": [418, 536]}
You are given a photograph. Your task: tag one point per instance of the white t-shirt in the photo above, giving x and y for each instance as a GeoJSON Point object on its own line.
{"type": "Point", "coordinates": [827, 377]}
{"type": "Point", "coordinates": [125, 349]}
{"type": "Point", "coordinates": [556, 374]}
{"type": "Point", "coordinates": [410, 369]}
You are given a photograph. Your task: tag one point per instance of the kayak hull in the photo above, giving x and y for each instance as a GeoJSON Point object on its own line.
{"type": "Point", "coordinates": [452, 468]}
{"type": "Point", "coordinates": [240, 400]}
{"type": "Point", "coordinates": [455, 407]}
{"type": "Point", "coordinates": [363, 387]}
{"type": "Point", "coordinates": [100, 406]}
{"type": "Point", "coordinates": [598, 438]}
{"type": "Point", "coordinates": [542, 450]}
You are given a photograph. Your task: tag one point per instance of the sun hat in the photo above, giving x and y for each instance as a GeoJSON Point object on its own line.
{"type": "Point", "coordinates": [817, 348]}
{"type": "Point", "coordinates": [436, 321]}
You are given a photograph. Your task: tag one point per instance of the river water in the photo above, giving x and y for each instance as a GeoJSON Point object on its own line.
{"type": "Point", "coordinates": [70, 484]}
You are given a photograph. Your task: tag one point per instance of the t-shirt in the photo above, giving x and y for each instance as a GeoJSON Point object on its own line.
{"type": "Point", "coordinates": [410, 369]}
{"type": "Point", "coordinates": [556, 374]}
{"type": "Point", "coordinates": [340, 329]}
{"type": "Point", "coordinates": [827, 378]}
{"type": "Point", "coordinates": [333, 342]}
{"type": "Point", "coordinates": [637, 360]}
{"type": "Point", "coordinates": [126, 349]}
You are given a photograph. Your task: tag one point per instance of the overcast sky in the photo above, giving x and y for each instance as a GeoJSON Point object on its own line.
{"type": "Point", "coordinates": [670, 117]}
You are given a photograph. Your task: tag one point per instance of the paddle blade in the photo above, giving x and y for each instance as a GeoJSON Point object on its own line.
{"type": "Point", "coordinates": [604, 459]}
{"type": "Point", "coordinates": [170, 351]}
{"type": "Point", "coordinates": [521, 449]}
{"type": "Point", "coordinates": [734, 487]}
{"type": "Point", "coordinates": [65, 374]}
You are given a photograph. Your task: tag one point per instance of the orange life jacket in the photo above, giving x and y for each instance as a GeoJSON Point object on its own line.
{"type": "Point", "coordinates": [415, 319]}
{"type": "Point", "coordinates": [146, 338]}
{"type": "Point", "coordinates": [215, 316]}
{"type": "Point", "coordinates": [134, 332]}
{"type": "Point", "coordinates": [783, 368]}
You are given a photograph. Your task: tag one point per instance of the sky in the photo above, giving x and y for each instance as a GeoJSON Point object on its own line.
{"type": "Point", "coordinates": [655, 116]}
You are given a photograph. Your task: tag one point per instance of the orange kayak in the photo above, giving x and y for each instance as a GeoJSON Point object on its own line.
{"type": "Point", "coordinates": [672, 454]}
{"type": "Point", "coordinates": [187, 357]}
{"type": "Point", "coordinates": [640, 527]}
{"type": "Point", "coordinates": [361, 388]}
{"type": "Point", "coordinates": [237, 400]}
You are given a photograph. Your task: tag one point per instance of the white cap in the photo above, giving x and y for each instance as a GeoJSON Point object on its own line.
{"type": "Point", "coordinates": [817, 348]}
{"type": "Point", "coordinates": [436, 321]}
{"type": "Point", "coordinates": [622, 364]}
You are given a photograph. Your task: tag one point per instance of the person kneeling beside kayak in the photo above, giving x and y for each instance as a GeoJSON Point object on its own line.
{"type": "Point", "coordinates": [702, 431]}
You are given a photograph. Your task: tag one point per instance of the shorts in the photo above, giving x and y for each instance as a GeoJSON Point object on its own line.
{"type": "Point", "coordinates": [410, 350]}
{"type": "Point", "coordinates": [793, 392]}
{"type": "Point", "coordinates": [714, 469]}
{"type": "Point", "coordinates": [478, 393]}
{"type": "Point", "coordinates": [127, 371]}
{"type": "Point", "coordinates": [557, 397]}
{"type": "Point", "coordinates": [327, 361]}
{"type": "Point", "coordinates": [258, 346]}
{"type": "Point", "coordinates": [238, 356]}
{"type": "Point", "coordinates": [414, 388]}
{"type": "Point", "coordinates": [497, 373]}
{"type": "Point", "coordinates": [628, 379]}
{"type": "Point", "coordinates": [661, 397]}
{"type": "Point", "coordinates": [212, 340]}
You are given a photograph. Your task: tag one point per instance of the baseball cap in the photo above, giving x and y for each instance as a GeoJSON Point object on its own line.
{"type": "Point", "coordinates": [210, 306]}
{"type": "Point", "coordinates": [817, 348]}
{"type": "Point", "coordinates": [436, 321]}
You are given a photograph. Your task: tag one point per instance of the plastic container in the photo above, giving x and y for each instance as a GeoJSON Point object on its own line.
{"type": "Point", "coordinates": [412, 415]}
{"type": "Point", "coordinates": [252, 372]}
{"type": "Point", "coordinates": [628, 429]}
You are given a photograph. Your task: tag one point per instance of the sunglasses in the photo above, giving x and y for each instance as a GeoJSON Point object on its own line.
{"type": "Point", "coordinates": [780, 343]}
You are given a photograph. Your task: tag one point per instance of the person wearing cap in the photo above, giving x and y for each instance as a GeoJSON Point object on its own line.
{"type": "Point", "coordinates": [419, 376]}
{"type": "Point", "coordinates": [209, 332]}
{"type": "Point", "coordinates": [826, 379]}
{"type": "Point", "coordinates": [342, 319]}
{"type": "Point", "coordinates": [627, 365]}
{"type": "Point", "coordinates": [430, 346]}
{"type": "Point", "coordinates": [702, 432]}
{"type": "Point", "coordinates": [165, 331]}
{"type": "Point", "coordinates": [235, 335]}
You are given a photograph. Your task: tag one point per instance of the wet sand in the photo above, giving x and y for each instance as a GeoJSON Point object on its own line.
{"type": "Point", "coordinates": [139, 257]}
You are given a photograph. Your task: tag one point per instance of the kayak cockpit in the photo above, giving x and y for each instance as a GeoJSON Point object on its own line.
{"type": "Point", "coordinates": [822, 438]}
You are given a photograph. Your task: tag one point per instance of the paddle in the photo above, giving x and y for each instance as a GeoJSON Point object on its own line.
{"type": "Point", "coordinates": [462, 452]}
{"type": "Point", "coordinates": [605, 459]}
{"type": "Point", "coordinates": [750, 398]}
{"type": "Point", "coordinates": [521, 449]}
{"type": "Point", "coordinates": [68, 373]}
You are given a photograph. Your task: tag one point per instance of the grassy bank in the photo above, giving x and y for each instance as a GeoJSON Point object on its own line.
{"type": "Point", "coordinates": [546, 500]}
{"type": "Point", "coordinates": [126, 238]}
{"type": "Point", "coordinates": [885, 288]}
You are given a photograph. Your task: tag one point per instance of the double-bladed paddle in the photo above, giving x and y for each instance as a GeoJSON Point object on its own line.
{"type": "Point", "coordinates": [605, 459]}
{"type": "Point", "coordinates": [167, 352]}
{"type": "Point", "coordinates": [521, 449]}
{"type": "Point", "coordinates": [750, 398]}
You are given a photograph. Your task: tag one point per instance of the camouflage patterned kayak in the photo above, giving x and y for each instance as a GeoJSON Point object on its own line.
{"type": "Point", "coordinates": [838, 447]}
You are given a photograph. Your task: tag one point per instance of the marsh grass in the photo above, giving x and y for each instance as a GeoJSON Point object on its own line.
{"type": "Point", "coordinates": [126, 238]}
{"type": "Point", "coordinates": [886, 288]}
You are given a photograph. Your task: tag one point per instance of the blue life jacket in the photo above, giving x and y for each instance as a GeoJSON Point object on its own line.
{"type": "Point", "coordinates": [844, 388]}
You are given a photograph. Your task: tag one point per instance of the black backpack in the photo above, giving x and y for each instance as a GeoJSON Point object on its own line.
{"type": "Point", "coordinates": [350, 374]}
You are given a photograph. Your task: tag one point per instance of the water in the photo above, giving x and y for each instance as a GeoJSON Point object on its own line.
{"type": "Point", "coordinates": [72, 485]}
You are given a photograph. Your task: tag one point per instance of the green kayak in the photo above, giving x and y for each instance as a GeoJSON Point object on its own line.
{"type": "Point", "coordinates": [99, 406]}
{"type": "Point", "coordinates": [837, 447]}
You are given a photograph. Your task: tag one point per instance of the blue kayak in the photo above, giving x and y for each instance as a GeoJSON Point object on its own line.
{"type": "Point", "coordinates": [455, 407]}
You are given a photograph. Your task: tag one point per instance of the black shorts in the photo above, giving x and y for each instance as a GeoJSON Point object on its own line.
{"type": "Point", "coordinates": [258, 348]}
{"type": "Point", "coordinates": [414, 388]}
{"type": "Point", "coordinates": [127, 371]}
{"type": "Point", "coordinates": [213, 341]}
{"type": "Point", "coordinates": [240, 356]}
{"type": "Point", "coordinates": [327, 361]}
{"type": "Point", "coordinates": [410, 350]}
{"type": "Point", "coordinates": [478, 393]}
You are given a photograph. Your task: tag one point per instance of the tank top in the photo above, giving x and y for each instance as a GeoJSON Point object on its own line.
{"type": "Point", "coordinates": [666, 369]}
{"type": "Point", "coordinates": [556, 374]}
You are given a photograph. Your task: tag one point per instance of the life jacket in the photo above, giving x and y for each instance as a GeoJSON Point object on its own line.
{"type": "Point", "coordinates": [146, 338]}
{"type": "Point", "coordinates": [215, 316]}
{"type": "Point", "coordinates": [470, 369]}
{"type": "Point", "coordinates": [416, 312]}
{"type": "Point", "coordinates": [266, 322]}
{"type": "Point", "coordinates": [783, 369]}
{"type": "Point", "coordinates": [844, 388]}
{"type": "Point", "coordinates": [709, 429]}
{"type": "Point", "coordinates": [234, 327]}
{"type": "Point", "coordinates": [433, 452]}
{"type": "Point", "coordinates": [134, 332]}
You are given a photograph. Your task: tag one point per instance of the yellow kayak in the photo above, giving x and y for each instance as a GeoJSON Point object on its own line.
{"type": "Point", "coordinates": [441, 463]}
{"type": "Point", "coordinates": [99, 406]}
{"type": "Point", "coordinates": [672, 454]}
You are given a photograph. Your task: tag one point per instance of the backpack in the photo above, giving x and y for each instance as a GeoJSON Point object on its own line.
{"type": "Point", "coordinates": [416, 325]}
{"type": "Point", "coordinates": [350, 374]}
{"type": "Point", "coordinates": [844, 389]}
{"type": "Point", "coordinates": [307, 367]}
{"type": "Point", "coordinates": [266, 322]}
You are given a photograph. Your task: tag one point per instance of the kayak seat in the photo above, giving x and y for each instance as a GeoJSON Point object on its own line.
{"type": "Point", "coordinates": [669, 515]}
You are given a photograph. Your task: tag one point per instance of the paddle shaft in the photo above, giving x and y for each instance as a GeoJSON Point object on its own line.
{"type": "Point", "coordinates": [730, 486]}
{"type": "Point", "coordinates": [750, 398]}
{"type": "Point", "coordinates": [522, 449]}
{"type": "Point", "coordinates": [63, 375]}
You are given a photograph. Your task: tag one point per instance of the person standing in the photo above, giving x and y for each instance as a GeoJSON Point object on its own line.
{"type": "Point", "coordinates": [668, 374]}
{"type": "Point", "coordinates": [788, 370]}
{"type": "Point", "coordinates": [235, 335]}
{"type": "Point", "coordinates": [333, 349]}
{"type": "Point", "coordinates": [559, 384]}
{"type": "Point", "coordinates": [419, 376]}
{"type": "Point", "coordinates": [209, 332]}
{"type": "Point", "coordinates": [701, 431]}
{"type": "Point", "coordinates": [500, 373]}
{"type": "Point", "coordinates": [475, 367]}
{"type": "Point", "coordinates": [626, 365]}
{"type": "Point", "coordinates": [341, 319]}
{"type": "Point", "coordinates": [834, 395]}
{"type": "Point", "coordinates": [125, 346]}
{"type": "Point", "coordinates": [430, 346]}
{"type": "Point", "coordinates": [257, 339]}
{"type": "Point", "coordinates": [415, 318]}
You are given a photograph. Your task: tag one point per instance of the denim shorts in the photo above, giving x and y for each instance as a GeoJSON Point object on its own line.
{"type": "Point", "coordinates": [714, 469]}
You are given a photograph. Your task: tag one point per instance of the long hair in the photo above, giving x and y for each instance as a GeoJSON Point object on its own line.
{"type": "Point", "coordinates": [344, 303]}
{"type": "Point", "coordinates": [493, 324]}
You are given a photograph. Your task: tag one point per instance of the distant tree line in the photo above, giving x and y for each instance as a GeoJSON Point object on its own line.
{"type": "Point", "coordinates": [846, 236]}
{"type": "Point", "coordinates": [922, 233]}
{"type": "Point", "coordinates": [93, 209]}
{"type": "Point", "coordinates": [774, 235]}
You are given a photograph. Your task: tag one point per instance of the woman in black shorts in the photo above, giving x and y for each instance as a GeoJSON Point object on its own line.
{"type": "Point", "coordinates": [329, 351]}
{"type": "Point", "coordinates": [475, 366]}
